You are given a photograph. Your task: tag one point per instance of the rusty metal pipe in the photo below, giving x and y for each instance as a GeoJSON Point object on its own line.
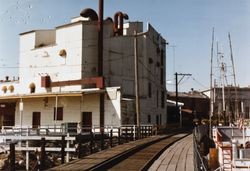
{"type": "Point", "coordinates": [100, 39]}
{"type": "Point", "coordinates": [118, 23]}
{"type": "Point", "coordinates": [89, 13]}
{"type": "Point", "coordinates": [100, 60]}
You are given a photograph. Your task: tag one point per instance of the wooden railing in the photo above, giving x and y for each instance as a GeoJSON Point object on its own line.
{"type": "Point", "coordinates": [69, 139]}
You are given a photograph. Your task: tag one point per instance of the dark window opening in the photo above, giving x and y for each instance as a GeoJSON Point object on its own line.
{"type": "Point", "coordinates": [150, 60]}
{"type": "Point", "coordinates": [149, 118]}
{"type": "Point", "coordinates": [58, 113]}
{"type": "Point", "coordinates": [162, 57]}
{"type": "Point", "coordinates": [162, 76]}
{"type": "Point", "coordinates": [162, 99]}
{"type": "Point", "coordinates": [32, 90]}
{"type": "Point", "coordinates": [149, 90]}
{"type": "Point", "coordinates": [157, 120]}
{"type": "Point", "coordinates": [157, 95]}
{"type": "Point", "coordinates": [135, 117]}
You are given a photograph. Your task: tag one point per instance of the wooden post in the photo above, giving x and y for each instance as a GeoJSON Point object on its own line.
{"type": "Point", "coordinates": [111, 138]}
{"type": "Point", "coordinates": [91, 142]}
{"type": "Point", "coordinates": [80, 150]}
{"type": "Point", "coordinates": [67, 154]}
{"type": "Point", "coordinates": [151, 131]}
{"type": "Point", "coordinates": [131, 133]}
{"type": "Point", "coordinates": [134, 131]}
{"type": "Point", "coordinates": [63, 149]}
{"type": "Point", "coordinates": [43, 153]}
{"type": "Point", "coordinates": [142, 131]}
{"type": "Point", "coordinates": [12, 157]}
{"type": "Point", "coordinates": [137, 132]}
{"type": "Point", "coordinates": [27, 155]}
{"type": "Point", "coordinates": [126, 134]}
{"type": "Point", "coordinates": [119, 136]}
{"type": "Point", "coordinates": [102, 140]}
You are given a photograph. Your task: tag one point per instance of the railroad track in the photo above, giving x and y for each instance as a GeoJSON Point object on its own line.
{"type": "Point", "coordinates": [140, 158]}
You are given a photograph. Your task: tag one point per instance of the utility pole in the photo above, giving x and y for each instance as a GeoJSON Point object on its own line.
{"type": "Point", "coordinates": [176, 93]}
{"type": "Point", "coordinates": [137, 96]}
{"type": "Point", "coordinates": [137, 102]}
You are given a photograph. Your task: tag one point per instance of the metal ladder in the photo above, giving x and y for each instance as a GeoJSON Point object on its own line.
{"type": "Point", "coordinates": [227, 159]}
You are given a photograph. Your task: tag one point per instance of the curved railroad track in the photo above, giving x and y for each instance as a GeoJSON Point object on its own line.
{"type": "Point", "coordinates": [140, 158]}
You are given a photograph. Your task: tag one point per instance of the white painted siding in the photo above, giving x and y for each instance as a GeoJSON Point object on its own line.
{"type": "Point", "coordinates": [72, 109]}
{"type": "Point", "coordinates": [80, 41]}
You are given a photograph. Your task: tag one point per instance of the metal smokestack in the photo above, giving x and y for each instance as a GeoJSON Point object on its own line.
{"type": "Point", "coordinates": [89, 13]}
{"type": "Point", "coordinates": [100, 63]}
{"type": "Point", "coordinates": [118, 22]}
{"type": "Point", "coordinates": [100, 39]}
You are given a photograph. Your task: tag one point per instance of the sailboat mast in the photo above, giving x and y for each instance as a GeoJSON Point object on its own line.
{"type": "Point", "coordinates": [236, 114]}
{"type": "Point", "coordinates": [211, 86]}
{"type": "Point", "coordinates": [222, 78]}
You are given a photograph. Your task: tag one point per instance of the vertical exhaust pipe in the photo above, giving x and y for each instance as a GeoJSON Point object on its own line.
{"type": "Point", "coordinates": [93, 17]}
{"type": "Point", "coordinates": [100, 39]}
{"type": "Point", "coordinates": [118, 23]}
{"type": "Point", "coordinates": [100, 61]}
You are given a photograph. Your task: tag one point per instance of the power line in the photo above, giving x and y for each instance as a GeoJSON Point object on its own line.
{"type": "Point", "coordinates": [199, 82]}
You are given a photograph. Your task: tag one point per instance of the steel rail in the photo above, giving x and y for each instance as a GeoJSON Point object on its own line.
{"type": "Point", "coordinates": [166, 141]}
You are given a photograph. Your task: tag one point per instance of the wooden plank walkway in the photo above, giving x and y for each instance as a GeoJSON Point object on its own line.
{"type": "Point", "coordinates": [138, 160]}
{"type": "Point", "coordinates": [88, 162]}
{"type": "Point", "coordinates": [178, 157]}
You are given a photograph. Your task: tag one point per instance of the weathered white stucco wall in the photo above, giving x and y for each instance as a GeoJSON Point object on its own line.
{"type": "Point", "coordinates": [72, 109]}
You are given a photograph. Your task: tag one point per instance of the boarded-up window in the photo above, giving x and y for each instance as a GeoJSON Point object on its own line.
{"type": "Point", "coordinates": [58, 113]}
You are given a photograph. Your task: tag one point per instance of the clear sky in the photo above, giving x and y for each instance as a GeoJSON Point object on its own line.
{"type": "Point", "coordinates": [185, 24]}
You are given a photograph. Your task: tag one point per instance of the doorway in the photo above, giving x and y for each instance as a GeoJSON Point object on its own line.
{"type": "Point", "coordinates": [7, 114]}
{"type": "Point", "coordinates": [36, 119]}
{"type": "Point", "coordinates": [86, 121]}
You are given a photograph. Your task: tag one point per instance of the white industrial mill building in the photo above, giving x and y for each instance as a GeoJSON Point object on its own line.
{"type": "Point", "coordinates": [58, 76]}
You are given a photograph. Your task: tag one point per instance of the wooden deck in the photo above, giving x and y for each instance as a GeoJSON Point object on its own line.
{"type": "Point", "coordinates": [178, 157]}
{"type": "Point", "coordinates": [88, 162]}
